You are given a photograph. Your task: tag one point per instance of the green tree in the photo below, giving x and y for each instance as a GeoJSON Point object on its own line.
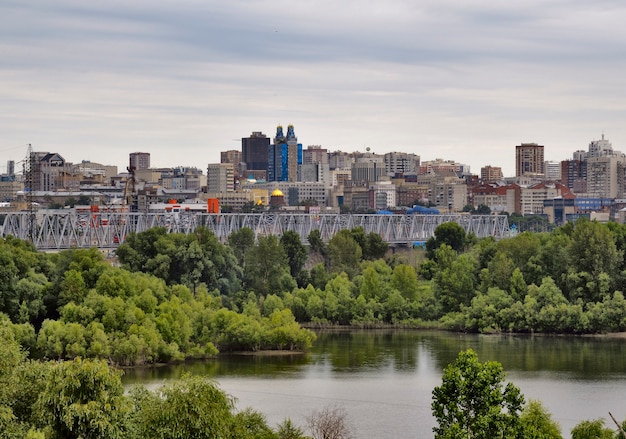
{"type": "Point", "coordinates": [592, 430]}
{"type": "Point", "coordinates": [473, 401]}
{"type": "Point", "coordinates": [316, 243]}
{"type": "Point", "coordinates": [482, 209]}
{"type": "Point", "coordinates": [538, 423]}
{"type": "Point", "coordinates": [9, 303]}
{"type": "Point", "coordinates": [375, 247]}
{"type": "Point", "coordinates": [345, 253]}
{"type": "Point", "coordinates": [449, 233]}
{"type": "Point", "coordinates": [404, 279]}
{"type": "Point", "coordinates": [72, 288]}
{"type": "Point", "coordinates": [267, 269]}
{"type": "Point", "coordinates": [84, 399]}
{"type": "Point", "coordinates": [192, 407]}
{"type": "Point", "coordinates": [296, 252]}
{"type": "Point", "coordinates": [455, 279]}
{"type": "Point", "coordinates": [241, 242]}
{"type": "Point", "coordinates": [287, 430]}
{"type": "Point", "coordinates": [593, 256]}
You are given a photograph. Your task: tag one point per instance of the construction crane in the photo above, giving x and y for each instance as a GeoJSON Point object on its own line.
{"type": "Point", "coordinates": [129, 181]}
{"type": "Point", "coordinates": [29, 180]}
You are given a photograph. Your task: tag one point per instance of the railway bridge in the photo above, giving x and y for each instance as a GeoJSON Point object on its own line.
{"type": "Point", "coordinates": [58, 230]}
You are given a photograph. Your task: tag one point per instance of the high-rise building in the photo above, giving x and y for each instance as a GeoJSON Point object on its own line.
{"type": "Point", "coordinates": [284, 156]}
{"type": "Point", "coordinates": [139, 160]}
{"type": "Point", "coordinates": [231, 156]}
{"type": "Point", "coordinates": [491, 173]}
{"type": "Point", "coordinates": [220, 178]}
{"type": "Point", "coordinates": [600, 148]}
{"type": "Point", "coordinates": [367, 169]}
{"type": "Point", "coordinates": [573, 171]}
{"type": "Point", "coordinates": [605, 176]}
{"type": "Point", "coordinates": [443, 167]}
{"type": "Point", "coordinates": [255, 151]}
{"type": "Point", "coordinates": [529, 160]}
{"type": "Point", "coordinates": [48, 172]}
{"type": "Point", "coordinates": [401, 163]}
{"type": "Point", "coordinates": [552, 170]}
{"type": "Point", "coordinates": [314, 154]}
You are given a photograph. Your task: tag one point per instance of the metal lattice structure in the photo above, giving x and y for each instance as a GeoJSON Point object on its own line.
{"type": "Point", "coordinates": [61, 230]}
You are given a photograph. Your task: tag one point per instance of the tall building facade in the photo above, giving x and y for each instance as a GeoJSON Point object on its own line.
{"type": "Point", "coordinates": [284, 157]}
{"type": "Point", "coordinates": [140, 160]}
{"type": "Point", "coordinates": [573, 171]}
{"type": "Point", "coordinates": [605, 176]}
{"type": "Point", "coordinates": [231, 156]}
{"type": "Point", "coordinates": [491, 173]}
{"type": "Point", "coordinates": [401, 163]}
{"type": "Point", "coordinates": [529, 160]}
{"type": "Point", "coordinates": [552, 170]}
{"type": "Point", "coordinates": [255, 151]}
{"type": "Point", "coordinates": [600, 148]}
{"type": "Point", "coordinates": [220, 178]}
{"type": "Point", "coordinates": [367, 169]}
{"type": "Point", "coordinates": [314, 154]}
{"type": "Point", "coordinates": [48, 172]}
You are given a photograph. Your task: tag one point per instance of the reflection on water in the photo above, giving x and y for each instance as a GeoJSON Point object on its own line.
{"type": "Point", "coordinates": [385, 378]}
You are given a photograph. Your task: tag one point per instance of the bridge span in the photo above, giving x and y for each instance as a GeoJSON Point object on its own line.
{"type": "Point", "coordinates": [58, 230]}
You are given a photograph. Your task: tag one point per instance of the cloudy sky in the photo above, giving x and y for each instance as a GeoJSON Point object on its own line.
{"type": "Point", "coordinates": [464, 80]}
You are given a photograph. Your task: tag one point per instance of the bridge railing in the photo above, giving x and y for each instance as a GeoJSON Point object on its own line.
{"type": "Point", "coordinates": [62, 230]}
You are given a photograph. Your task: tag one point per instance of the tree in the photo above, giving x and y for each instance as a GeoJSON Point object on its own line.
{"type": "Point", "coordinates": [329, 423]}
{"type": "Point", "coordinates": [287, 430]}
{"type": "Point", "coordinates": [404, 279]}
{"type": "Point", "coordinates": [375, 247]}
{"type": "Point", "coordinates": [455, 279]}
{"type": "Point", "coordinates": [345, 253]}
{"type": "Point", "coordinates": [296, 252]}
{"type": "Point", "coordinates": [241, 242]}
{"type": "Point", "coordinates": [538, 423]}
{"type": "Point", "coordinates": [193, 407]}
{"type": "Point", "coordinates": [84, 399]}
{"type": "Point", "coordinates": [472, 403]}
{"type": "Point", "coordinates": [482, 209]}
{"type": "Point", "coordinates": [592, 430]}
{"type": "Point", "coordinates": [449, 233]}
{"type": "Point", "coordinates": [267, 269]}
{"type": "Point", "coordinates": [593, 255]}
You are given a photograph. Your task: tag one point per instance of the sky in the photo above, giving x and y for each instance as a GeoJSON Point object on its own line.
{"type": "Point", "coordinates": [462, 80]}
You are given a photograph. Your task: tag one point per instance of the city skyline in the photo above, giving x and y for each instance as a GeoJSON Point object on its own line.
{"type": "Point", "coordinates": [463, 81]}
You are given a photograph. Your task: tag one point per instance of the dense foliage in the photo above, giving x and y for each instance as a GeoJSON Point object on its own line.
{"type": "Point", "coordinates": [75, 303]}
{"type": "Point", "coordinates": [177, 296]}
{"type": "Point", "coordinates": [85, 399]}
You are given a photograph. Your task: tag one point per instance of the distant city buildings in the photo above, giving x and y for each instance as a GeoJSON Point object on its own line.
{"type": "Point", "coordinates": [491, 173]}
{"type": "Point", "coordinates": [529, 160]}
{"type": "Point", "coordinates": [255, 151]}
{"type": "Point", "coordinates": [593, 180]}
{"type": "Point", "coordinates": [140, 160]}
{"type": "Point", "coordinates": [220, 178]}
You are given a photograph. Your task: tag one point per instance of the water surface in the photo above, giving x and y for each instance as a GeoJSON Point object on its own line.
{"type": "Point", "coordinates": [384, 379]}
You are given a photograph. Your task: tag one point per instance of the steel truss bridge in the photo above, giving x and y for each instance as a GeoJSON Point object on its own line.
{"type": "Point", "coordinates": [59, 230]}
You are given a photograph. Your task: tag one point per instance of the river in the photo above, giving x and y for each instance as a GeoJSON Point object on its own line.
{"type": "Point", "coordinates": [384, 379]}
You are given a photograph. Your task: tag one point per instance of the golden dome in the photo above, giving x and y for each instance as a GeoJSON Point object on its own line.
{"type": "Point", "coordinates": [277, 193]}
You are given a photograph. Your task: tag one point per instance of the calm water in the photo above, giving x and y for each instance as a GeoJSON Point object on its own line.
{"type": "Point", "coordinates": [384, 379]}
